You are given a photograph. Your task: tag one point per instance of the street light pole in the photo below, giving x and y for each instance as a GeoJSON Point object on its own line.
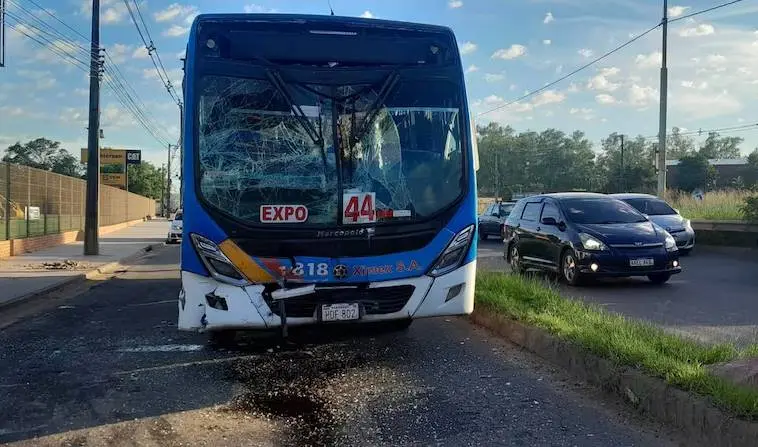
{"type": "Point", "coordinates": [91, 225]}
{"type": "Point", "coordinates": [661, 160]}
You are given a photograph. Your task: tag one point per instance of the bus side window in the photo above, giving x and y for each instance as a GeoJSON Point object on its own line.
{"type": "Point", "coordinates": [474, 144]}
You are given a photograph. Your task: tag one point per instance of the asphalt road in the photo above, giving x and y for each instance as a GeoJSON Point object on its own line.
{"type": "Point", "coordinates": [713, 299]}
{"type": "Point", "coordinates": [103, 365]}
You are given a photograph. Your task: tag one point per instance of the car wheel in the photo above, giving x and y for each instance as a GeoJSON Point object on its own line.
{"type": "Point", "coordinates": [569, 269]}
{"type": "Point", "coordinates": [482, 235]}
{"type": "Point", "coordinates": [659, 278]}
{"type": "Point", "coordinates": [515, 258]}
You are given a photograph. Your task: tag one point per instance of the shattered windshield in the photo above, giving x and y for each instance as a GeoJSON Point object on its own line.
{"type": "Point", "coordinates": [398, 152]}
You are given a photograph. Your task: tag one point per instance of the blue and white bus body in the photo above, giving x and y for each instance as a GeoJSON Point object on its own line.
{"type": "Point", "coordinates": [236, 269]}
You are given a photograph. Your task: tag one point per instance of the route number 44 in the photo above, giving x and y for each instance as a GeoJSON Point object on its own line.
{"type": "Point", "coordinates": [359, 208]}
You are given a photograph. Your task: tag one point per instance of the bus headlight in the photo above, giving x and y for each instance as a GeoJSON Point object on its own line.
{"type": "Point", "coordinates": [216, 262]}
{"type": "Point", "coordinates": [454, 253]}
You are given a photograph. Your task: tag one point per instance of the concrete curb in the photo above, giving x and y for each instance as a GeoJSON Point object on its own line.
{"type": "Point", "coordinates": [104, 269]}
{"type": "Point", "coordinates": [698, 419]}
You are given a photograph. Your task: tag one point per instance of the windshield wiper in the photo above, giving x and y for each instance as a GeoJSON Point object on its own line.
{"type": "Point", "coordinates": [281, 87]}
{"type": "Point", "coordinates": [387, 87]}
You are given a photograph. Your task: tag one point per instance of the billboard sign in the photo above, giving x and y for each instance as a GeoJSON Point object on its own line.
{"type": "Point", "coordinates": [110, 156]}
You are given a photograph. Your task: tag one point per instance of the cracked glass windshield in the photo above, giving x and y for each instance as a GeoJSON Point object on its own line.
{"type": "Point", "coordinates": [253, 151]}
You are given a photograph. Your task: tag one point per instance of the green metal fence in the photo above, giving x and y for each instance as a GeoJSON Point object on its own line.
{"type": "Point", "coordinates": [34, 202]}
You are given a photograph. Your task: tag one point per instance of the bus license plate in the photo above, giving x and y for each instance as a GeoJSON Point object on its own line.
{"type": "Point", "coordinates": [641, 262]}
{"type": "Point", "coordinates": [340, 312]}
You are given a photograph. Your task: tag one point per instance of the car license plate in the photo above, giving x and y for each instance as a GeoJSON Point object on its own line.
{"type": "Point", "coordinates": [340, 312]}
{"type": "Point", "coordinates": [641, 262]}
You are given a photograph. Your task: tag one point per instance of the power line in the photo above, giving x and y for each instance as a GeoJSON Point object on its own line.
{"type": "Point", "coordinates": [598, 59]}
{"type": "Point", "coordinates": [703, 11]}
{"type": "Point", "coordinates": [572, 73]}
{"type": "Point", "coordinates": [729, 129]}
{"type": "Point", "coordinates": [152, 51]}
{"type": "Point", "coordinates": [57, 19]}
{"type": "Point", "coordinates": [115, 85]}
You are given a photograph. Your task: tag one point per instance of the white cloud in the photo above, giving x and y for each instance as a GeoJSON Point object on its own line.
{"type": "Point", "coordinates": [703, 29]}
{"type": "Point", "coordinates": [549, 97]}
{"type": "Point", "coordinates": [512, 52]}
{"type": "Point", "coordinates": [467, 48]}
{"type": "Point", "coordinates": [455, 4]}
{"type": "Point", "coordinates": [72, 115]}
{"type": "Point", "coordinates": [118, 52]}
{"type": "Point", "coordinates": [114, 14]}
{"type": "Point", "coordinates": [493, 100]}
{"type": "Point", "coordinates": [653, 59]}
{"type": "Point", "coordinates": [140, 53]}
{"type": "Point", "coordinates": [472, 68]}
{"type": "Point", "coordinates": [494, 77]}
{"type": "Point", "coordinates": [176, 31]}
{"type": "Point", "coordinates": [174, 11]}
{"type": "Point", "coordinates": [559, 69]}
{"type": "Point", "coordinates": [367, 14]}
{"type": "Point", "coordinates": [605, 98]}
{"type": "Point", "coordinates": [257, 9]}
{"type": "Point", "coordinates": [512, 87]}
{"type": "Point", "coordinates": [114, 117]}
{"type": "Point", "coordinates": [602, 82]}
{"type": "Point", "coordinates": [81, 91]}
{"type": "Point", "coordinates": [45, 83]}
{"type": "Point", "coordinates": [546, 41]}
{"type": "Point", "coordinates": [715, 59]}
{"type": "Point", "coordinates": [573, 88]}
{"type": "Point", "coordinates": [676, 11]}
{"type": "Point", "coordinates": [642, 96]}
{"type": "Point", "coordinates": [585, 52]}
{"type": "Point", "coordinates": [548, 18]}
{"type": "Point", "coordinates": [583, 113]}
{"type": "Point", "coordinates": [702, 105]}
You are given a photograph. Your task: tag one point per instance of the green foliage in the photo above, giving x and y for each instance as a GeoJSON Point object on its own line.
{"type": "Point", "coordinates": [45, 154]}
{"type": "Point", "coordinates": [146, 180]}
{"type": "Point", "coordinates": [695, 172]}
{"type": "Point", "coordinates": [750, 209]}
{"type": "Point", "coordinates": [679, 361]}
{"type": "Point", "coordinates": [721, 147]}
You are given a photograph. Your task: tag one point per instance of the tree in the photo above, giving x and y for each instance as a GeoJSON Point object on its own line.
{"type": "Point", "coordinates": [42, 153]}
{"type": "Point", "coordinates": [721, 147]}
{"type": "Point", "coordinates": [695, 172]}
{"type": "Point", "coordinates": [751, 178]}
{"type": "Point", "coordinates": [678, 145]}
{"type": "Point", "coordinates": [146, 180]}
{"type": "Point", "coordinates": [66, 164]}
{"type": "Point", "coordinates": [638, 172]}
{"type": "Point", "coordinates": [38, 153]}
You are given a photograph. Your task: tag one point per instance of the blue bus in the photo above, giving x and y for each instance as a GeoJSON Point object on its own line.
{"type": "Point", "coordinates": [329, 174]}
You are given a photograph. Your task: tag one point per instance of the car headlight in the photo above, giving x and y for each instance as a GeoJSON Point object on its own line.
{"type": "Point", "coordinates": [454, 253]}
{"type": "Point", "coordinates": [670, 243]}
{"type": "Point", "coordinates": [591, 242]}
{"type": "Point", "coordinates": [687, 224]}
{"type": "Point", "coordinates": [216, 262]}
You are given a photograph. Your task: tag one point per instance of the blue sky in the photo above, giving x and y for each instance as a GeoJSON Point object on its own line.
{"type": "Point", "coordinates": [510, 47]}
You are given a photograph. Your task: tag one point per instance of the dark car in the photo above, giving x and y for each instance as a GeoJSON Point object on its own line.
{"type": "Point", "coordinates": [665, 216]}
{"type": "Point", "coordinates": [492, 219]}
{"type": "Point", "coordinates": [586, 235]}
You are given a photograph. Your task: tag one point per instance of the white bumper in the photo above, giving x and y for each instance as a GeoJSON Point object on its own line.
{"type": "Point", "coordinates": [248, 310]}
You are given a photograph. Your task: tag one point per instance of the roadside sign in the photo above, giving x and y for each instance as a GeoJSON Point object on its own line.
{"type": "Point", "coordinates": [31, 212]}
{"type": "Point", "coordinates": [117, 180]}
{"type": "Point", "coordinates": [110, 156]}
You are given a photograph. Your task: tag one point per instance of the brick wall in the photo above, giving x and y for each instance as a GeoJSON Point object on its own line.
{"type": "Point", "coordinates": [16, 247]}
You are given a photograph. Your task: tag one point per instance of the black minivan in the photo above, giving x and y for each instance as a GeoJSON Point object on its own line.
{"type": "Point", "coordinates": [587, 235]}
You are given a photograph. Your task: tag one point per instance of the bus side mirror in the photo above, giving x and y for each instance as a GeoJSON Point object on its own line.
{"type": "Point", "coordinates": [474, 145]}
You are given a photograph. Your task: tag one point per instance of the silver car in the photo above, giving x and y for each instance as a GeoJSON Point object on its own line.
{"type": "Point", "coordinates": [175, 231]}
{"type": "Point", "coordinates": [663, 215]}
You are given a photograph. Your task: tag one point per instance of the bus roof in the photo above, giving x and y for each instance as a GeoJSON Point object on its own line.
{"type": "Point", "coordinates": [320, 20]}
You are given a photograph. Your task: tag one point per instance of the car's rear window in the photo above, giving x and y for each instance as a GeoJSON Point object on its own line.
{"type": "Point", "coordinates": [600, 211]}
{"type": "Point", "coordinates": [651, 207]}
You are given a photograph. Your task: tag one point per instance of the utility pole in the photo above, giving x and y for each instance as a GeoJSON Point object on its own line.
{"type": "Point", "coordinates": [168, 183]}
{"type": "Point", "coordinates": [661, 160]}
{"type": "Point", "coordinates": [91, 224]}
{"type": "Point", "coordinates": [622, 176]}
{"type": "Point", "coordinates": [181, 152]}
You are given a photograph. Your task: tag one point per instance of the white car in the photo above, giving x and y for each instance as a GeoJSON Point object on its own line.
{"type": "Point", "coordinates": [175, 232]}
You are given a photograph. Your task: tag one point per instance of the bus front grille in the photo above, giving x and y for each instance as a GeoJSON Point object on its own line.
{"type": "Point", "coordinates": [375, 301]}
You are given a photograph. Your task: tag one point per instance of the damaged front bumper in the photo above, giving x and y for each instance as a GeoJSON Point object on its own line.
{"type": "Point", "coordinates": [209, 305]}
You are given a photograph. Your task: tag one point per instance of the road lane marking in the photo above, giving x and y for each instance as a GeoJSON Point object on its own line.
{"type": "Point", "coordinates": [153, 303]}
{"type": "Point", "coordinates": [185, 364]}
{"type": "Point", "coordinates": [164, 348]}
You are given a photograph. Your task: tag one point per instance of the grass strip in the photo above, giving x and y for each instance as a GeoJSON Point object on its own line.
{"type": "Point", "coordinates": [679, 361]}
